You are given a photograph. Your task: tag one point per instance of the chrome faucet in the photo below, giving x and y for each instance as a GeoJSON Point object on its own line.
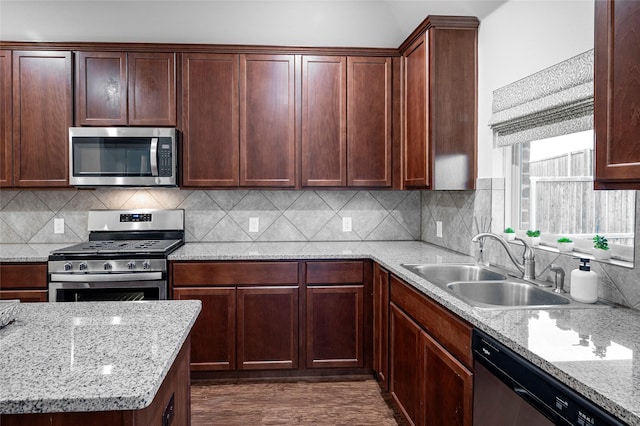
{"type": "Point", "coordinates": [528, 264]}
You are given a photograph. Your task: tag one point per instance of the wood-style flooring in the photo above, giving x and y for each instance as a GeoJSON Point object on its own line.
{"type": "Point", "coordinates": [291, 403]}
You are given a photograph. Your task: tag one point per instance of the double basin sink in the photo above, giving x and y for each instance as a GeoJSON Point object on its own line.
{"type": "Point", "coordinates": [484, 288]}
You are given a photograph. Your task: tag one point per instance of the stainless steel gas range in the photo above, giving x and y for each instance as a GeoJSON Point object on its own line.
{"type": "Point", "coordinates": [124, 259]}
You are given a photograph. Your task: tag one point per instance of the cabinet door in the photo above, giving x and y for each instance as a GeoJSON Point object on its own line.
{"type": "Point", "coordinates": [151, 89]}
{"type": "Point", "coordinates": [213, 341]}
{"type": "Point", "coordinates": [101, 88]}
{"type": "Point", "coordinates": [42, 105]}
{"type": "Point", "coordinates": [335, 326]}
{"type": "Point", "coordinates": [416, 108]}
{"type": "Point", "coordinates": [381, 325]}
{"type": "Point", "coordinates": [210, 143]}
{"type": "Point", "coordinates": [267, 328]}
{"type": "Point", "coordinates": [267, 121]}
{"type": "Point", "coordinates": [369, 121]}
{"type": "Point", "coordinates": [448, 388]}
{"type": "Point", "coordinates": [25, 296]}
{"type": "Point", "coordinates": [6, 168]}
{"type": "Point", "coordinates": [617, 94]}
{"type": "Point", "coordinates": [406, 358]}
{"type": "Point", "coordinates": [324, 126]}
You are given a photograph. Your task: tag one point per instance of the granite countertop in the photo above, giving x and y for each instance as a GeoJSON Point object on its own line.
{"type": "Point", "coordinates": [592, 350]}
{"type": "Point", "coordinates": [93, 356]}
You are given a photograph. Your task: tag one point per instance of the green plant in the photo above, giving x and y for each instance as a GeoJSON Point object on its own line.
{"type": "Point", "coordinates": [509, 231]}
{"type": "Point", "coordinates": [532, 234]}
{"type": "Point", "coordinates": [565, 240]}
{"type": "Point", "coordinates": [600, 242]}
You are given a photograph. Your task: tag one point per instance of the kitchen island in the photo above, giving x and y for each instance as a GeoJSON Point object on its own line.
{"type": "Point", "coordinates": [97, 363]}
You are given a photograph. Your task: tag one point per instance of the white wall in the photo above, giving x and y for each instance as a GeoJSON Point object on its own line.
{"type": "Point", "coordinates": [518, 39]}
{"type": "Point", "coordinates": [360, 23]}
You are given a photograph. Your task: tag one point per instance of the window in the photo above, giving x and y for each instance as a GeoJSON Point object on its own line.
{"type": "Point", "coordinates": [554, 193]}
{"type": "Point", "coordinates": [547, 120]}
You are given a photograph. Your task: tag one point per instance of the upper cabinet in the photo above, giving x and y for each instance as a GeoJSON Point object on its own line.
{"type": "Point", "coordinates": [210, 129]}
{"type": "Point", "coordinates": [41, 115]}
{"type": "Point", "coordinates": [617, 94]}
{"type": "Point", "coordinates": [346, 121]}
{"type": "Point", "coordinates": [125, 89]}
{"type": "Point", "coordinates": [440, 104]}
{"type": "Point", "coordinates": [267, 121]}
{"type": "Point", "coordinates": [6, 161]}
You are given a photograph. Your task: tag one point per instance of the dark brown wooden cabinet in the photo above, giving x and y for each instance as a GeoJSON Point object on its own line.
{"type": "Point", "coordinates": [617, 95]}
{"type": "Point", "coordinates": [267, 330]}
{"type": "Point", "coordinates": [335, 314]}
{"type": "Point", "coordinates": [42, 105]}
{"type": "Point", "coordinates": [249, 317]}
{"type": "Point", "coordinates": [369, 103]}
{"type": "Point", "coordinates": [210, 126]}
{"type": "Point", "coordinates": [346, 121]}
{"type": "Point", "coordinates": [324, 121]}
{"type": "Point", "coordinates": [24, 281]}
{"type": "Point", "coordinates": [381, 325]}
{"type": "Point", "coordinates": [6, 162]}
{"type": "Point", "coordinates": [430, 360]}
{"type": "Point", "coordinates": [267, 121]}
{"type": "Point", "coordinates": [214, 333]}
{"type": "Point", "coordinates": [125, 88]}
{"type": "Point", "coordinates": [440, 104]}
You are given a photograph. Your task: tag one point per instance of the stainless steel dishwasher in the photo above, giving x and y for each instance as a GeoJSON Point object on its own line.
{"type": "Point", "coordinates": [509, 390]}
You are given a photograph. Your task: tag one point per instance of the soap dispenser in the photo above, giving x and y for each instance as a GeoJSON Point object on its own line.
{"type": "Point", "coordinates": [584, 283]}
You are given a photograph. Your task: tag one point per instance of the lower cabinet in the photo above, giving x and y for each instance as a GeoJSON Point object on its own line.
{"type": "Point", "coordinates": [24, 281]}
{"type": "Point", "coordinates": [381, 325]}
{"type": "Point", "coordinates": [336, 330]}
{"type": "Point", "coordinates": [249, 317]}
{"type": "Point", "coordinates": [300, 317]}
{"type": "Point", "coordinates": [427, 381]}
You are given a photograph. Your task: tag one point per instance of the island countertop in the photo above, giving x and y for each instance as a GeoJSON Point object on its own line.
{"type": "Point", "coordinates": [92, 356]}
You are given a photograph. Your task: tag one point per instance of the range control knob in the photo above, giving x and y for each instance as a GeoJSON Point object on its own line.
{"type": "Point", "coordinates": [84, 266]}
{"type": "Point", "coordinates": [131, 265]}
{"type": "Point", "coordinates": [68, 266]}
{"type": "Point", "coordinates": [107, 266]}
{"type": "Point", "coordinates": [146, 265]}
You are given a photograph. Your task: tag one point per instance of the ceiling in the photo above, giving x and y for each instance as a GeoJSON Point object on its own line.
{"type": "Point", "coordinates": [363, 23]}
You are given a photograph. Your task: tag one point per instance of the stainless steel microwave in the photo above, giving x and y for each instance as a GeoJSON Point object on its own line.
{"type": "Point", "coordinates": [122, 156]}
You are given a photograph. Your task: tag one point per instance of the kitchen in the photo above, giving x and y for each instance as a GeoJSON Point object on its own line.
{"type": "Point", "coordinates": [511, 46]}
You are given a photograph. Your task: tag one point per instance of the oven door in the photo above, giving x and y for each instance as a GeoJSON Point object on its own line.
{"type": "Point", "coordinates": [107, 287]}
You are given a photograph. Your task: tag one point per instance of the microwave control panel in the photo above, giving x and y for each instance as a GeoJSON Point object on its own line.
{"type": "Point", "coordinates": [165, 160]}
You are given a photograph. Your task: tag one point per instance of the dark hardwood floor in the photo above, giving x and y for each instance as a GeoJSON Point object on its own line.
{"type": "Point", "coordinates": [291, 403]}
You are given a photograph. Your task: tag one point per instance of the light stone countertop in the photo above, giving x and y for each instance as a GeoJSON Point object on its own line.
{"type": "Point", "coordinates": [595, 351]}
{"type": "Point", "coordinates": [92, 356]}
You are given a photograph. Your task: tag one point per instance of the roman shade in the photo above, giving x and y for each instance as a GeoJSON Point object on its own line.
{"type": "Point", "coordinates": [555, 101]}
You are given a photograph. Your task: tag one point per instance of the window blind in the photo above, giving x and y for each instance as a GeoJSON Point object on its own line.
{"type": "Point", "coordinates": [555, 101]}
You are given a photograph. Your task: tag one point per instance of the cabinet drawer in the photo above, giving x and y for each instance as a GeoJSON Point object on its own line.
{"type": "Point", "coordinates": [448, 329]}
{"type": "Point", "coordinates": [23, 276]}
{"type": "Point", "coordinates": [25, 296]}
{"type": "Point", "coordinates": [334, 272]}
{"type": "Point", "coordinates": [234, 273]}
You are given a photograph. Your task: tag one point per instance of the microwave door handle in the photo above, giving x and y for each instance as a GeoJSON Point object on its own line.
{"type": "Point", "coordinates": [153, 154]}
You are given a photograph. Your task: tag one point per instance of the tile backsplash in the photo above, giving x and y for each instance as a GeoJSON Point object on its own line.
{"type": "Point", "coordinates": [27, 216]}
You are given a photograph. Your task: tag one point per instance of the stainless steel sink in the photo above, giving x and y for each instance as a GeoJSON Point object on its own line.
{"type": "Point", "coordinates": [492, 294]}
{"type": "Point", "coordinates": [444, 273]}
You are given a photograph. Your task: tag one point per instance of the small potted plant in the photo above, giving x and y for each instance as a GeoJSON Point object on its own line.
{"type": "Point", "coordinates": [509, 234]}
{"type": "Point", "coordinates": [534, 237]}
{"type": "Point", "coordinates": [601, 250]}
{"type": "Point", "coordinates": [565, 245]}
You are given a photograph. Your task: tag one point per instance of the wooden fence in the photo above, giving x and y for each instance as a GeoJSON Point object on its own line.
{"type": "Point", "coordinates": [562, 200]}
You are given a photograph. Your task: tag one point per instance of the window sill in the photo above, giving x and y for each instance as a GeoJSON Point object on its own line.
{"type": "Point", "coordinates": [625, 263]}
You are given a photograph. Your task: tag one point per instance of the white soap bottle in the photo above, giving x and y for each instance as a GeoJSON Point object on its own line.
{"type": "Point", "coordinates": [584, 283]}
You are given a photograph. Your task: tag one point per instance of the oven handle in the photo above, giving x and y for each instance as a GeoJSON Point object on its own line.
{"type": "Point", "coordinates": [153, 156]}
{"type": "Point", "coordinates": [91, 278]}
